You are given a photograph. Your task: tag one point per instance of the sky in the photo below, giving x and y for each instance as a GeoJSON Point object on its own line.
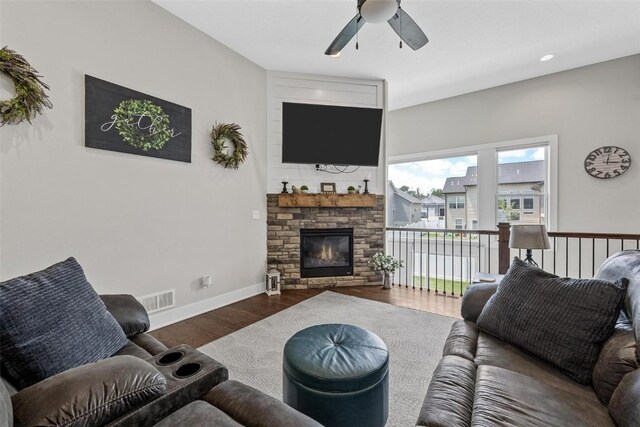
{"type": "Point", "coordinates": [430, 174]}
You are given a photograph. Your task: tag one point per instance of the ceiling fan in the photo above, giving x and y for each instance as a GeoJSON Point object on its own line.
{"type": "Point", "coordinates": [376, 11]}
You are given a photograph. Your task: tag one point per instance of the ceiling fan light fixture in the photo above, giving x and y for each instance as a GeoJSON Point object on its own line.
{"type": "Point", "coordinates": [335, 55]}
{"type": "Point", "coordinates": [376, 11]}
{"type": "Point", "coordinates": [547, 57]}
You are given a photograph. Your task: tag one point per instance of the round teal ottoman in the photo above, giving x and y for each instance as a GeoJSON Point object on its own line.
{"type": "Point", "coordinates": [338, 375]}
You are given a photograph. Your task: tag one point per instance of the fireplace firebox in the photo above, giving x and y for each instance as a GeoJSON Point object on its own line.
{"type": "Point", "coordinates": [326, 252]}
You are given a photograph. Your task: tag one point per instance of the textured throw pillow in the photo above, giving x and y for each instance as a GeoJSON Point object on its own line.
{"type": "Point", "coordinates": [561, 320]}
{"type": "Point", "coordinates": [52, 321]}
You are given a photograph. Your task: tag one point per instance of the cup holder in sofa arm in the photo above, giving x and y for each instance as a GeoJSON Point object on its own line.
{"type": "Point", "coordinates": [189, 373]}
{"type": "Point", "coordinates": [187, 370]}
{"type": "Point", "coordinates": [170, 358]}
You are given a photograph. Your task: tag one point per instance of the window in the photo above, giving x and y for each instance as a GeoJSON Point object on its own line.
{"type": "Point", "coordinates": [456, 202]}
{"type": "Point", "coordinates": [515, 202]}
{"type": "Point", "coordinates": [518, 183]}
{"type": "Point", "coordinates": [446, 186]}
{"type": "Point", "coordinates": [522, 176]}
{"type": "Point", "coordinates": [459, 224]}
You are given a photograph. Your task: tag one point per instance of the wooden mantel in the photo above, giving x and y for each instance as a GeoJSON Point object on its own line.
{"type": "Point", "coordinates": [326, 200]}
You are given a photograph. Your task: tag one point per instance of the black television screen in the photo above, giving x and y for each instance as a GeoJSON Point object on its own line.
{"type": "Point", "coordinates": [331, 135]}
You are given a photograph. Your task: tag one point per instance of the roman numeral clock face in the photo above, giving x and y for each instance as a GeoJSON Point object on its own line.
{"type": "Point", "coordinates": [607, 162]}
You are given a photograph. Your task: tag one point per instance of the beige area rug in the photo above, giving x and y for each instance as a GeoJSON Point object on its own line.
{"type": "Point", "coordinates": [415, 339]}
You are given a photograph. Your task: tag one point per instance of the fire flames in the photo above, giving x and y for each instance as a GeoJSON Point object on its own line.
{"type": "Point", "coordinates": [326, 254]}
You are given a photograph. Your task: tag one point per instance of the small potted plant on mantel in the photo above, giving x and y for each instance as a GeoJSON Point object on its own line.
{"type": "Point", "coordinates": [351, 189]}
{"type": "Point", "coordinates": [304, 189]}
{"type": "Point", "coordinates": [387, 265]}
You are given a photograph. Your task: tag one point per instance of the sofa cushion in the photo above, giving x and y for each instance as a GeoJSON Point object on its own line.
{"type": "Point", "coordinates": [624, 407]}
{"type": "Point", "coordinates": [90, 395]}
{"type": "Point", "coordinates": [52, 320]}
{"type": "Point", "coordinates": [564, 321]}
{"type": "Point", "coordinates": [506, 398]}
{"type": "Point", "coordinates": [449, 400]}
{"type": "Point", "coordinates": [493, 351]}
{"type": "Point", "coordinates": [617, 358]}
{"type": "Point", "coordinates": [251, 407]}
{"type": "Point", "coordinates": [198, 413]}
{"type": "Point", "coordinates": [462, 340]}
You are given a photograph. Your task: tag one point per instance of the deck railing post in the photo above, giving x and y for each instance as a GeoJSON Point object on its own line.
{"type": "Point", "coordinates": [504, 254]}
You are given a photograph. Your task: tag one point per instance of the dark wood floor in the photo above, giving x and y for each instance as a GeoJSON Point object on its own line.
{"type": "Point", "coordinates": [212, 325]}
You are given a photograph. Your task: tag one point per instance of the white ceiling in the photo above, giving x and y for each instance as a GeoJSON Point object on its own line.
{"type": "Point", "coordinates": [473, 44]}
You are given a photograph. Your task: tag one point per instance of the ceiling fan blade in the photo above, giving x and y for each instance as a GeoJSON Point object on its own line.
{"type": "Point", "coordinates": [408, 30]}
{"type": "Point", "coordinates": [345, 35]}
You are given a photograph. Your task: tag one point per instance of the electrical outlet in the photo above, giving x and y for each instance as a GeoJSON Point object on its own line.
{"type": "Point", "coordinates": [206, 281]}
{"type": "Point", "coordinates": [256, 214]}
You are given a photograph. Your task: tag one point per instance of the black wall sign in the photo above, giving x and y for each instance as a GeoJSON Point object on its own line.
{"type": "Point", "coordinates": [123, 120]}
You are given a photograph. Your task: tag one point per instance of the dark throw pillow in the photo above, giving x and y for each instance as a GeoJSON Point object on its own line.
{"type": "Point", "coordinates": [561, 320]}
{"type": "Point", "coordinates": [51, 321]}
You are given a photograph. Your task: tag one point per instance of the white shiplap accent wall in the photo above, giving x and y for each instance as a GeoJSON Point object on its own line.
{"type": "Point", "coordinates": [312, 89]}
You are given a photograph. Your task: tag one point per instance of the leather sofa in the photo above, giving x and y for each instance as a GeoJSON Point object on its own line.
{"type": "Point", "coordinates": [144, 384]}
{"type": "Point", "coordinates": [483, 381]}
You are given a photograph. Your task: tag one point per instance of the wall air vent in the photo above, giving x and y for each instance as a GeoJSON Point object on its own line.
{"type": "Point", "coordinates": [158, 301]}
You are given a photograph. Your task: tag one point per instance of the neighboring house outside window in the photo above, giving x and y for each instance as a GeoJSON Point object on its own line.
{"type": "Point", "coordinates": [403, 208]}
{"type": "Point", "coordinates": [520, 194]}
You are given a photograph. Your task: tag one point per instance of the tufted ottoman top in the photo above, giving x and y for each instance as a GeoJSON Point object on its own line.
{"type": "Point", "coordinates": [335, 357]}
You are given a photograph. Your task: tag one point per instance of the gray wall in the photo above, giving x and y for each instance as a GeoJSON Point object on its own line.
{"type": "Point", "coordinates": [136, 224]}
{"type": "Point", "coordinates": [586, 107]}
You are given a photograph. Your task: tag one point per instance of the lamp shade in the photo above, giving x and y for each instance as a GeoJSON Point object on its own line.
{"type": "Point", "coordinates": [529, 236]}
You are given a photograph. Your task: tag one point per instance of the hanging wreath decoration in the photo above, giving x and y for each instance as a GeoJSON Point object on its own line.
{"type": "Point", "coordinates": [231, 132]}
{"type": "Point", "coordinates": [30, 98]}
{"type": "Point", "coordinates": [142, 124]}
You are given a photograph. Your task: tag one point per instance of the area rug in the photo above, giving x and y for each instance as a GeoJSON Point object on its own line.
{"type": "Point", "coordinates": [253, 354]}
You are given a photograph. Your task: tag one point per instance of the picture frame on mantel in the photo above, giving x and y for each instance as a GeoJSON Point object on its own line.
{"type": "Point", "coordinates": [328, 187]}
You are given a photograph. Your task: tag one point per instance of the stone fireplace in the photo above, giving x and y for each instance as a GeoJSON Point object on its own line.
{"type": "Point", "coordinates": [323, 247]}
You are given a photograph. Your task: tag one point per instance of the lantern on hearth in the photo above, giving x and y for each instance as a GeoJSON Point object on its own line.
{"type": "Point", "coordinates": [273, 282]}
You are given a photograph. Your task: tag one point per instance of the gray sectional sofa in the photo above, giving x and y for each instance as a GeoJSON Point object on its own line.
{"type": "Point", "coordinates": [483, 381]}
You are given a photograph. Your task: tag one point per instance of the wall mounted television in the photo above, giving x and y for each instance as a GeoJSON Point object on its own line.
{"type": "Point", "coordinates": [330, 135]}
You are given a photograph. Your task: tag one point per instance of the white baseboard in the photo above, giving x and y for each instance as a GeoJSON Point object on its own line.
{"type": "Point", "coordinates": [165, 318]}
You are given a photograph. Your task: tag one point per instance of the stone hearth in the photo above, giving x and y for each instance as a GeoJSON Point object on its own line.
{"type": "Point", "coordinates": [283, 240]}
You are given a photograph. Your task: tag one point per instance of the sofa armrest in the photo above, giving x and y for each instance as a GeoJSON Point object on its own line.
{"type": "Point", "coordinates": [475, 298]}
{"type": "Point", "coordinates": [252, 408]}
{"type": "Point", "coordinates": [92, 394]}
{"type": "Point", "coordinates": [128, 312]}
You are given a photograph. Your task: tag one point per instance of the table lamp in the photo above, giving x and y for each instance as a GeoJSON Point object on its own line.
{"type": "Point", "coordinates": [529, 236]}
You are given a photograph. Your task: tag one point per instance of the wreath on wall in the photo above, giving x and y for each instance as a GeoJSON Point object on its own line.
{"type": "Point", "coordinates": [228, 132]}
{"type": "Point", "coordinates": [142, 124]}
{"type": "Point", "coordinates": [30, 98]}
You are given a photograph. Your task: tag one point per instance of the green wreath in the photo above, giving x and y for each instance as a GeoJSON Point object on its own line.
{"type": "Point", "coordinates": [219, 134]}
{"type": "Point", "coordinates": [30, 98]}
{"type": "Point", "coordinates": [138, 133]}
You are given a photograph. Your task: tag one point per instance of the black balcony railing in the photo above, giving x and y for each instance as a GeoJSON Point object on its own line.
{"type": "Point", "coordinates": [446, 260]}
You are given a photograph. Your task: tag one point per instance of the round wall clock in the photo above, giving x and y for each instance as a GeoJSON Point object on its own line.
{"type": "Point", "coordinates": [607, 162]}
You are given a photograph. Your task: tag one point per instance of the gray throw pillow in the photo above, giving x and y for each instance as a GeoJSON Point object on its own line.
{"type": "Point", "coordinates": [561, 320]}
{"type": "Point", "coordinates": [53, 320]}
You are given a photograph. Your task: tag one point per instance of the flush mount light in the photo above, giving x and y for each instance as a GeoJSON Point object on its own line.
{"type": "Point", "coordinates": [547, 57]}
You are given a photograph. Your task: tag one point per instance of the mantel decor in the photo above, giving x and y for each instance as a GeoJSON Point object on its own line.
{"type": "Point", "coordinates": [220, 134]}
{"type": "Point", "coordinates": [30, 98]}
{"type": "Point", "coordinates": [326, 200]}
{"type": "Point", "coordinates": [124, 120]}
